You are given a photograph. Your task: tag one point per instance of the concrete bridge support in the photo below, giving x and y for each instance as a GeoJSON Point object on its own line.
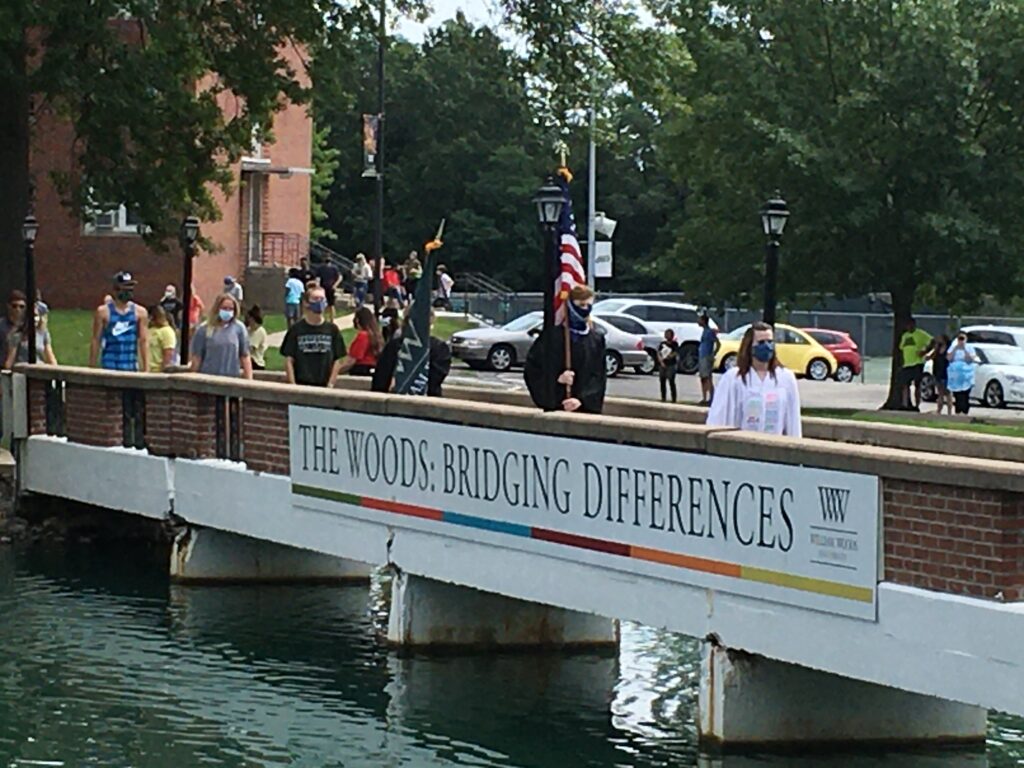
{"type": "Point", "coordinates": [751, 702]}
{"type": "Point", "coordinates": [205, 555]}
{"type": "Point", "coordinates": [434, 614]}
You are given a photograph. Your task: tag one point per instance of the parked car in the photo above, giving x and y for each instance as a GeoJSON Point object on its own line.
{"type": "Point", "coordinates": [659, 316]}
{"type": "Point", "coordinates": [796, 350]}
{"type": "Point", "coordinates": [843, 348]}
{"type": "Point", "coordinates": [995, 334]}
{"type": "Point", "coordinates": [998, 379]}
{"type": "Point", "coordinates": [502, 347]}
{"type": "Point", "coordinates": [639, 328]}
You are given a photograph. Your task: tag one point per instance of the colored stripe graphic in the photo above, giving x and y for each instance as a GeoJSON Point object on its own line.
{"type": "Point", "coordinates": [688, 562]}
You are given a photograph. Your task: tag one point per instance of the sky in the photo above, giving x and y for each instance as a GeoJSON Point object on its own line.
{"type": "Point", "coordinates": [477, 11]}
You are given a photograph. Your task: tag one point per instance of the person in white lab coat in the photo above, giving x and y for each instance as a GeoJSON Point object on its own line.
{"type": "Point", "coordinates": [757, 394]}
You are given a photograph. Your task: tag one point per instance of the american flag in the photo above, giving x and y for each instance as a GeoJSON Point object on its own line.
{"type": "Point", "coordinates": [571, 271]}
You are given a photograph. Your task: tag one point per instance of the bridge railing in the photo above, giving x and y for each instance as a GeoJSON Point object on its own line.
{"type": "Point", "coordinates": [949, 523]}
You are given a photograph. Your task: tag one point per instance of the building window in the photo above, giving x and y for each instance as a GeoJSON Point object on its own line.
{"type": "Point", "coordinates": [120, 220]}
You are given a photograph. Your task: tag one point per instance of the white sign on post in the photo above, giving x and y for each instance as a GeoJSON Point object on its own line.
{"type": "Point", "coordinates": [791, 534]}
{"type": "Point", "coordinates": [603, 258]}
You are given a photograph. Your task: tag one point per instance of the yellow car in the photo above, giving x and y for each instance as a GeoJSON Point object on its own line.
{"type": "Point", "coordinates": [795, 349]}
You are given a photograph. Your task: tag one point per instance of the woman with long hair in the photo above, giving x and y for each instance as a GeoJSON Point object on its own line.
{"type": "Point", "coordinates": [361, 358]}
{"type": "Point", "coordinates": [757, 394]}
{"type": "Point", "coordinates": [221, 344]}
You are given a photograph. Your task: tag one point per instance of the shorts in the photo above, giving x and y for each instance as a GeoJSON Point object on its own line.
{"type": "Point", "coordinates": [911, 374]}
{"type": "Point", "coordinates": [291, 311]}
{"type": "Point", "coordinates": [331, 296]}
{"type": "Point", "coordinates": [704, 366]}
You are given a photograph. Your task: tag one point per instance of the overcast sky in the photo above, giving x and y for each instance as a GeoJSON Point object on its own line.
{"type": "Point", "coordinates": [477, 11]}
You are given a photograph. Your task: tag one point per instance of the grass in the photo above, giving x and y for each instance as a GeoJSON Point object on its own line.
{"type": "Point", "coordinates": [71, 332]}
{"type": "Point", "coordinates": [981, 427]}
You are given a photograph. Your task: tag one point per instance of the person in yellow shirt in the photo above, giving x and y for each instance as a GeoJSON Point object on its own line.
{"type": "Point", "coordinates": [163, 341]}
{"type": "Point", "coordinates": [914, 344]}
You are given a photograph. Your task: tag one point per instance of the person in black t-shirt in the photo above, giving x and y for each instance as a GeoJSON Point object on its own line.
{"type": "Point", "coordinates": [668, 362]}
{"type": "Point", "coordinates": [172, 305]}
{"type": "Point", "coordinates": [306, 275]}
{"type": "Point", "coordinates": [313, 348]}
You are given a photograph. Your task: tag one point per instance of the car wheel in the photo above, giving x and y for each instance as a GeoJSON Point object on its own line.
{"type": "Point", "coordinates": [928, 391]}
{"type": "Point", "coordinates": [844, 373]}
{"type": "Point", "coordinates": [729, 361]}
{"type": "Point", "coordinates": [994, 395]}
{"type": "Point", "coordinates": [648, 366]}
{"type": "Point", "coordinates": [817, 369]}
{"type": "Point", "coordinates": [501, 357]}
{"type": "Point", "coordinates": [688, 359]}
{"type": "Point", "coordinates": [612, 363]}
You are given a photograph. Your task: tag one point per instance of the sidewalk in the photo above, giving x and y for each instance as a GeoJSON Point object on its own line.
{"type": "Point", "coordinates": [275, 339]}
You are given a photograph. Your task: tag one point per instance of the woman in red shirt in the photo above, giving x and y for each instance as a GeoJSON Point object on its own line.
{"type": "Point", "coordinates": [361, 358]}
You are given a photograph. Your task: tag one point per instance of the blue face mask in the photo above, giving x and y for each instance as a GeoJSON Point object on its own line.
{"type": "Point", "coordinates": [578, 324]}
{"type": "Point", "coordinates": [226, 315]}
{"type": "Point", "coordinates": [763, 351]}
{"type": "Point", "coordinates": [318, 307]}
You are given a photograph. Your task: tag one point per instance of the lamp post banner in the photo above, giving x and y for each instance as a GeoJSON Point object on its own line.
{"type": "Point", "coordinates": [791, 534]}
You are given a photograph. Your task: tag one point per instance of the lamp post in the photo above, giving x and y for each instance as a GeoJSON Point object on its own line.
{"type": "Point", "coordinates": [187, 237]}
{"type": "Point", "coordinates": [549, 201]}
{"type": "Point", "coordinates": [378, 229]}
{"type": "Point", "coordinates": [774, 214]}
{"type": "Point", "coordinates": [29, 230]}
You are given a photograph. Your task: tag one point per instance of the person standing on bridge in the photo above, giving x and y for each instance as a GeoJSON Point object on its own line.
{"type": "Point", "coordinates": [757, 394]}
{"type": "Point", "coordinates": [119, 338]}
{"type": "Point", "coordinates": [313, 348]}
{"type": "Point", "coordinates": [221, 344]}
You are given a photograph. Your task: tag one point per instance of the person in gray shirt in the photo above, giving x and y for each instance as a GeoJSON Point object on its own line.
{"type": "Point", "coordinates": [221, 345]}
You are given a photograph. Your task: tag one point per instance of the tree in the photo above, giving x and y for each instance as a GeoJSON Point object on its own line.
{"type": "Point", "coordinates": [892, 128]}
{"type": "Point", "coordinates": [325, 165]}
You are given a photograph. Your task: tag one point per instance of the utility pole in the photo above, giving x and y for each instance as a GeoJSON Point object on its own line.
{"type": "Point", "coordinates": [378, 234]}
{"type": "Point", "coordinates": [592, 154]}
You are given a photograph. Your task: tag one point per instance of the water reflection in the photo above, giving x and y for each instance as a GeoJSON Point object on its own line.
{"type": "Point", "coordinates": [103, 663]}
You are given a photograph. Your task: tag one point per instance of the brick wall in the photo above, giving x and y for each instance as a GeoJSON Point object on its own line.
{"type": "Point", "coordinates": [265, 437]}
{"type": "Point", "coordinates": [956, 540]}
{"type": "Point", "coordinates": [94, 415]}
{"type": "Point", "coordinates": [181, 424]}
{"type": "Point", "coordinates": [37, 407]}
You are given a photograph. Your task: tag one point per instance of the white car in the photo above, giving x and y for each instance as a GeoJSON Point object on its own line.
{"type": "Point", "coordinates": [638, 328]}
{"type": "Point", "coordinates": [995, 334]}
{"type": "Point", "coordinates": [998, 379]}
{"type": "Point", "coordinates": [659, 316]}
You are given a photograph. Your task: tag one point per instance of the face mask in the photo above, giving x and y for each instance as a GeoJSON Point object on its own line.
{"type": "Point", "coordinates": [318, 307]}
{"type": "Point", "coordinates": [225, 315]}
{"type": "Point", "coordinates": [578, 315]}
{"type": "Point", "coordinates": [124, 295]}
{"type": "Point", "coordinates": [764, 351]}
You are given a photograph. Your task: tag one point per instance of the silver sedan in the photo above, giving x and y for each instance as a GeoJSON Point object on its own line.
{"type": "Point", "coordinates": [499, 348]}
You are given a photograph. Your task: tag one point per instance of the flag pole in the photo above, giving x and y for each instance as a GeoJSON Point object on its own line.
{"type": "Point", "coordinates": [563, 170]}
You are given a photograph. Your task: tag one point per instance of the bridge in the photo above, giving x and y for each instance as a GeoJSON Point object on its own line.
{"type": "Point", "coordinates": [864, 583]}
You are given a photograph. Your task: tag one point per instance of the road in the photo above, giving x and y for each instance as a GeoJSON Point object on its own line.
{"type": "Point", "coordinates": [866, 396]}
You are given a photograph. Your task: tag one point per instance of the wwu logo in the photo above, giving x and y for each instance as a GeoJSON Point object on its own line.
{"type": "Point", "coordinates": [833, 503]}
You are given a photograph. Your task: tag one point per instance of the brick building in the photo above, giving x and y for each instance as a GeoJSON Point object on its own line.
{"type": "Point", "coordinates": [264, 221]}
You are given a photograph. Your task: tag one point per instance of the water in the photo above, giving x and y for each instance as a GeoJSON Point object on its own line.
{"type": "Point", "coordinates": [103, 662]}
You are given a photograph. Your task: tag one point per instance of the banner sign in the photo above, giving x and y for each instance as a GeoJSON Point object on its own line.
{"type": "Point", "coordinates": [603, 258]}
{"type": "Point", "coordinates": [795, 535]}
{"type": "Point", "coordinates": [371, 140]}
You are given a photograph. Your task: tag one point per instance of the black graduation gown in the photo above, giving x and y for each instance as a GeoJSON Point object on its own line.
{"type": "Point", "coordinates": [587, 362]}
{"type": "Point", "coordinates": [387, 361]}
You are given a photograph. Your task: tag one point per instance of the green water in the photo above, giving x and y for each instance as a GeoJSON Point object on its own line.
{"type": "Point", "coordinates": [103, 663]}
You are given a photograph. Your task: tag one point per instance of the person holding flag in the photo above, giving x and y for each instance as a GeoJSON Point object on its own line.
{"type": "Point", "coordinates": [565, 367]}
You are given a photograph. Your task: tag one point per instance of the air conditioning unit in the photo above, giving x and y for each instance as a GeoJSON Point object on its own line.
{"type": "Point", "coordinates": [105, 220]}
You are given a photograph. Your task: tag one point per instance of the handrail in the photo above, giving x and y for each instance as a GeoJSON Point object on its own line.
{"type": "Point", "coordinates": [889, 462]}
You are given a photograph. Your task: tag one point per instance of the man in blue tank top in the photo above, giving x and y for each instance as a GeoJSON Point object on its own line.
{"type": "Point", "coordinates": [119, 330]}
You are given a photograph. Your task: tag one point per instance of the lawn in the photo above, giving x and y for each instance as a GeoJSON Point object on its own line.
{"type": "Point", "coordinates": [71, 331]}
{"type": "Point", "coordinates": [1003, 430]}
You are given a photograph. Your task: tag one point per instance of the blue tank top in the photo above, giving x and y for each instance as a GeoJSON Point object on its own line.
{"type": "Point", "coordinates": [121, 340]}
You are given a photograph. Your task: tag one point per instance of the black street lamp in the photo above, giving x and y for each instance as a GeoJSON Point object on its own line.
{"type": "Point", "coordinates": [549, 201]}
{"type": "Point", "coordinates": [187, 237]}
{"type": "Point", "coordinates": [378, 229]}
{"type": "Point", "coordinates": [774, 214]}
{"type": "Point", "coordinates": [29, 230]}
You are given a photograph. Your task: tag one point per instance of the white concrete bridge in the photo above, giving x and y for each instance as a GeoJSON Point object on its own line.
{"type": "Point", "coordinates": [847, 590]}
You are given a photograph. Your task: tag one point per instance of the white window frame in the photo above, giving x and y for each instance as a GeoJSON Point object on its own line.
{"type": "Point", "coordinates": [118, 217]}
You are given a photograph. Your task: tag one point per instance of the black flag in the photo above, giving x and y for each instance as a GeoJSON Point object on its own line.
{"type": "Point", "coordinates": [413, 368]}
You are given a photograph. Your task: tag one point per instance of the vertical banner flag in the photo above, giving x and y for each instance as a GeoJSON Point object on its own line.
{"type": "Point", "coordinates": [571, 272]}
{"type": "Point", "coordinates": [413, 367]}
{"type": "Point", "coordinates": [371, 136]}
